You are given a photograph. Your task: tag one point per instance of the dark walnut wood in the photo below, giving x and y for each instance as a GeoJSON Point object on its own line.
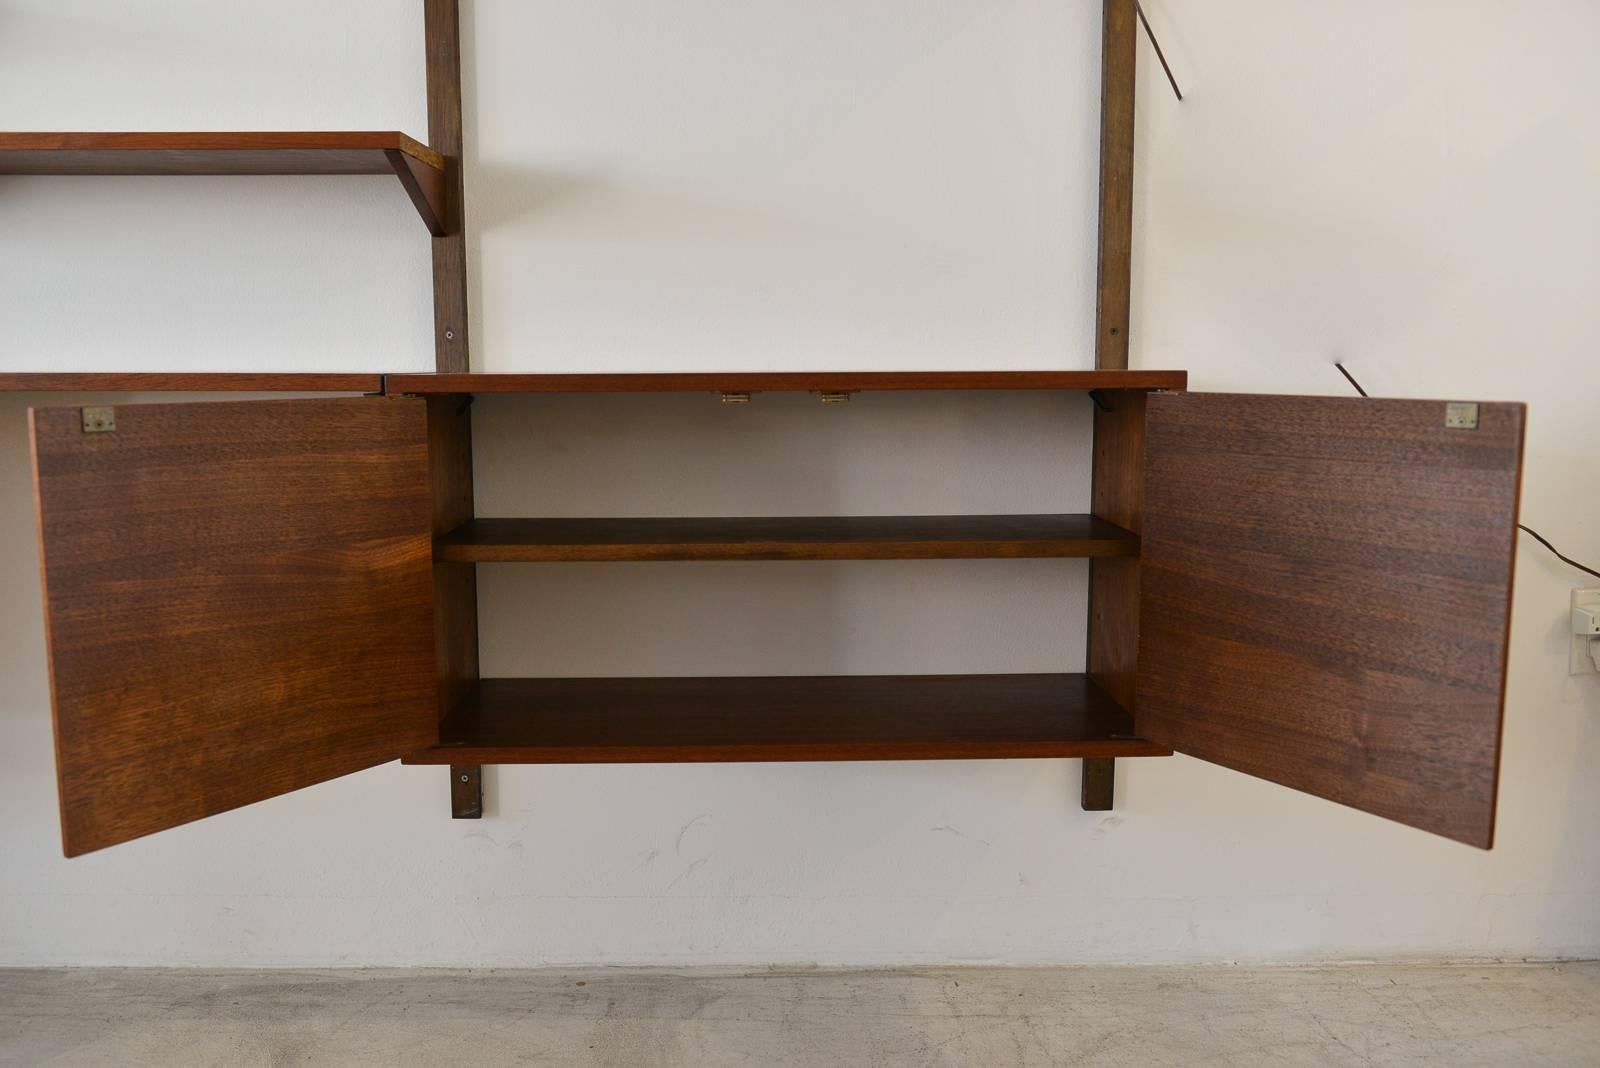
{"type": "Point", "coordinates": [425, 185]}
{"type": "Point", "coordinates": [188, 382]}
{"type": "Point", "coordinates": [786, 538]}
{"type": "Point", "coordinates": [237, 603]}
{"type": "Point", "coordinates": [466, 791]}
{"type": "Point", "coordinates": [903, 717]}
{"type": "Point", "coordinates": [442, 36]}
{"type": "Point", "coordinates": [455, 584]}
{"type": "Point", "coordinates": [1117, 497]}
{"type": "Point", "coordinates": [778, 382]}
{"type": "Point", "coordinates": [1099, 784]}
{"type": "Point", "coordinates": [308, 152]}
{"type": "Point", "coordinates": [1119, 53]}
{"type": "Point", "coordinates": [420, 169]}
{"type": "Point", "coordinates": [1326, 597]}
{"type": "Point", "coordinates": [1114, 584]}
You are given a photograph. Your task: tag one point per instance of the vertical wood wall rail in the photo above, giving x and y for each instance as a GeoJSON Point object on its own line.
{"type": "Point", "coordinates": [466, 791]}
{"type": "Point", "coordinates": [1118, 60]}
{"type": "Point", "coordinates": [1118, 433]}
{"type": "Point", "coordinates": [450, 418]}
{"type": "Point", "coordinates": [443, 28]}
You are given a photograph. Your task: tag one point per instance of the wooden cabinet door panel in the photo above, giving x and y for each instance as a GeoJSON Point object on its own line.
{"type": "Point", "coordinates": [1326, 596]}
{"type": "Point", "coordinates": [238, 602]}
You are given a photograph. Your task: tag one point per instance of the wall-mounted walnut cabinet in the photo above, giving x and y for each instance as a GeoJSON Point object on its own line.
{"type": "Point", "coordinates": [245, 598]}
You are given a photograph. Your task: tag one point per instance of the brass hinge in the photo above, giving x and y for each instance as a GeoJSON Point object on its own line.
{"type": "Point", "coordinates": [99, 420]}
{"type": "Point", "coordinates": [1460, 416]}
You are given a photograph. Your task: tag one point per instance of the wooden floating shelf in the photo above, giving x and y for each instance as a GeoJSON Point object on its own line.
{"type": "Point", "coordinates": [420, 169]}
{"type": "Point", "coordinates": [926, 537]}
{"type": "Point", "coordinates": [867, 717]}
{"type": "Point", "coordinates": [778, 382]}
{"type": "Point", "coordinates": [188, 382]}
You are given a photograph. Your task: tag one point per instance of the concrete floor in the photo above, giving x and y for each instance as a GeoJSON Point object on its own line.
{"type": "Point", "coordinates": [1455, 1015]}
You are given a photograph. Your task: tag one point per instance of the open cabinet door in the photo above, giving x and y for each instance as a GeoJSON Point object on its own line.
{"type": "Point", "coordinates": [1326, 593]}
{"type": "Point", "coordinates": [238, 602]}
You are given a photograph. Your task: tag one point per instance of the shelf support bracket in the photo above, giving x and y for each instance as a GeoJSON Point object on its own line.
{"type": "Point", "coordinates": [425, 185]}
{"type": "Point", "coordinates": [1099, 783]}
{"type": "Point", "coordinates": [466, 791]}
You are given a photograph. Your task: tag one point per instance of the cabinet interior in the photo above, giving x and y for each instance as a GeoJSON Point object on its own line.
{"type": "Point", "coordinates": [733, 716]}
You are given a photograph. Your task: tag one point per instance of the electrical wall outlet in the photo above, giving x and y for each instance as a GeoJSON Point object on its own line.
{"type": "Point", "coordinates": [1579, 662]}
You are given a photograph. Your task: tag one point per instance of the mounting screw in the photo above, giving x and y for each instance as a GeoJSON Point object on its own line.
{"type": "Point", "coordinates": [449, 335]}
{"type": "Point", "coordinates": [466, 778]}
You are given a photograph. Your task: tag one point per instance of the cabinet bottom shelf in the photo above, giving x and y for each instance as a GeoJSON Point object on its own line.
{"type": "Point", "coordinates": [801, 718]}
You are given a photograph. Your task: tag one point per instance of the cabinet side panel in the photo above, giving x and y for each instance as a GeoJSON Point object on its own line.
{"type": "Point", "coordinates": [1118, 497]}
{"type": "Point", "coordinates": [455, 585]}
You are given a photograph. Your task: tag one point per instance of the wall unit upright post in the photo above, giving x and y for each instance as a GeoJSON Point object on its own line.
{"type": "Point", "coordinates": [450, 417]}
{"type": "Point", "coordinates": [442, 20]}
{"type": "Point", "coordinates": [1113, 641]}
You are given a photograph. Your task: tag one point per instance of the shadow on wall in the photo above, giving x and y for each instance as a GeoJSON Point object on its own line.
{"type": "Point", "coordinates": [499, 195]}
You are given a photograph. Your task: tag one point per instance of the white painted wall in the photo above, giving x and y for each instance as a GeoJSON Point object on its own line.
{"type": "Point", "coordinates": [1406, 186]}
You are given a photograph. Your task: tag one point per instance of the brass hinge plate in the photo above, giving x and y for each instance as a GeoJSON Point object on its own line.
{"type": "Point", "coordinates": [99, 420]}
{"type": "Point", "coordinates": [1459, 416]}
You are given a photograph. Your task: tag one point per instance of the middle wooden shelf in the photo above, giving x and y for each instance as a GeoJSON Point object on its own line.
{"type": "Point", "coordinates": [914, 537]}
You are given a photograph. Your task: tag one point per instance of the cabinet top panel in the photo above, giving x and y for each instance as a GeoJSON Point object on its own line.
{"type": "Point", "coordinates": [309, 152]}
{"type": "Point", "coordinates": [188, 382]}
{"type": "Point", "coordinates": [799, 382]}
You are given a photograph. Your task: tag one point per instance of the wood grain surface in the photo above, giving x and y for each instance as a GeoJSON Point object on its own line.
{"type": "Point", "coordinates": [420, 169]}
{"type": "Point", "coordinates": [219, 152]}
{"type": "Point", "coordinates": [1117, 497]}
{"type": "Point", "coordinates": [930, 537]}
{"type": "Point", "coordinates": [1119, 427]}
{"type": "Point", "coordinates": [1119, 55]}
{"type": "Point", "coordinates": [427, 187]}
{"type": "Point", "coordinates": [875, 717]}
{"type": "Point", "coordinates": [455, 583]}
{"type": "Point", "coordinates": [237, 602]}
{"type": "Point", "coordinates": [186, 382]}
{"type": "Point", "coordinates": [800, 381]}
{"type": "Point", "coordinates": [442, 44]}
{"type": "Point", "coordinates": [1326, 597]}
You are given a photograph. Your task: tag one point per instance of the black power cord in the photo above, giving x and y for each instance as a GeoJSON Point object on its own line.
{"type": "Point", "coordinates": [1540, 538]}
{"type": "Point", "coordinates": [1351, 379]}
